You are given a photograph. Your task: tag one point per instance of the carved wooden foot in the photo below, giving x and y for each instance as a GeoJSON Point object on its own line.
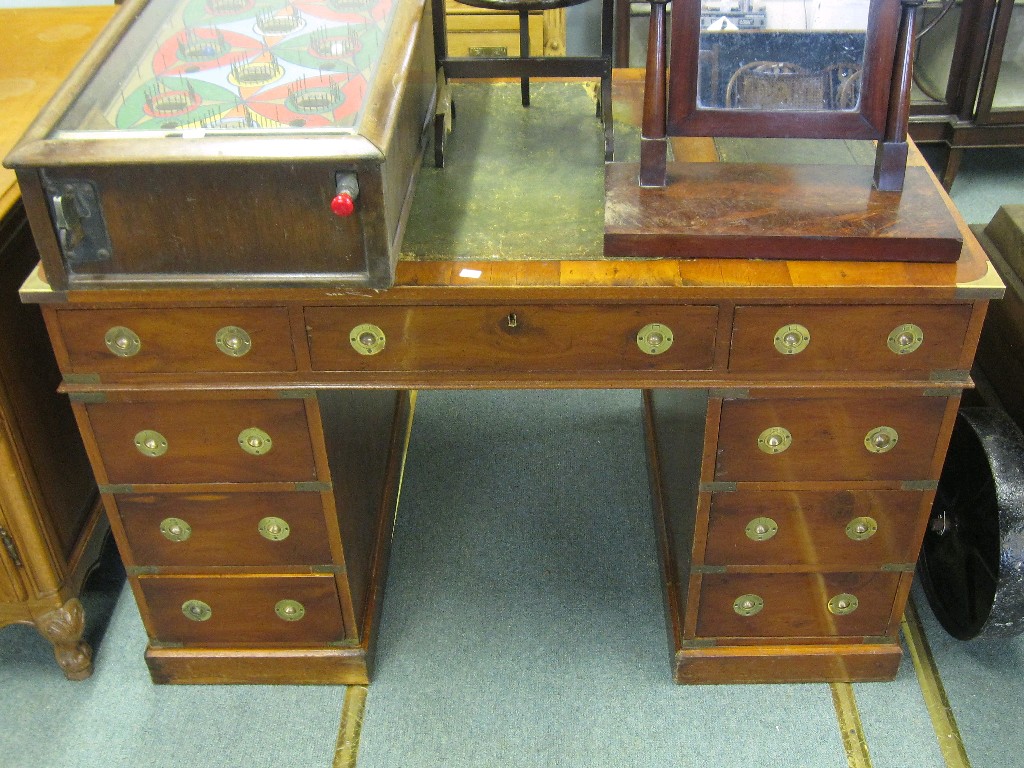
{"type": "Point", "coordinates": [63, 627]}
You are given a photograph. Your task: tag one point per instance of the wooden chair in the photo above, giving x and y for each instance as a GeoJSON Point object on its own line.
{"type": "Point", "coordinates": [524, 66]}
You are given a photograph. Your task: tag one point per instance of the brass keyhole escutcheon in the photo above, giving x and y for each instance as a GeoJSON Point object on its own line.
{"type": "Point", "coordinates": [196, 610]}
{"type": "Point", "coordinates": [904, 339]}
{"type": "Point", "coordinates": [774, 440]}
{"type": "Point", "coordinates": [274, 529]}
{"type": "Point", "coordinates": [255, 441]}
{"type": "Point", "coordinates": [151, 443]}
{"type": "Point", "coordinates": [881, 439]}
{"type": "Point", "coordinates": [367, 339]}
{"type": "Point", "coordinates": [861, 528]}
{"type": "Point", "coordinates": [748, 605]}
{"type": "Point", "coordinates": [654, 338]}
{"type": "Point", "coordinates": [175, 529]}
{"type": "Point", "coordinates": [233, 341]}
{"type": "Point", "coordinates": [843, 605]}
{"type": "Point", "coordinates": [761, 529]}
{"type": "Point", "coordinates": [792, 339]}
{"type": "Point", "coordinates": [290, 610]}
{"type": "Point", "coordinates": [123, 342]}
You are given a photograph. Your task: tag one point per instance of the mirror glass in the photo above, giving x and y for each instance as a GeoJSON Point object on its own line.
{"type": "Point", "coordinates": [772, 55]}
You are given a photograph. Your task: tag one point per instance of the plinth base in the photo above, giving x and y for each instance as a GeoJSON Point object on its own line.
{"type": "Point", "coordinates": [783, 211]}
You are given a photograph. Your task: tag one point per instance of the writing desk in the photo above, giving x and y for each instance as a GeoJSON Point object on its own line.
{"type": "Point", "coordinates": [249, 442]}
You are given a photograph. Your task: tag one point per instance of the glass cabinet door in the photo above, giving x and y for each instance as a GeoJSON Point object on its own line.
{"type": "Point", "coordinates": [1002, 91]}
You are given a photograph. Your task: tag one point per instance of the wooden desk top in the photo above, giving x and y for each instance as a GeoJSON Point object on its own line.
{"type": "Point", "coordinates": [40, 48]}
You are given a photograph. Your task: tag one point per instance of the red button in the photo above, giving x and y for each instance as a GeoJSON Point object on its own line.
{"type": "Point", "coordinates": [343, 204]}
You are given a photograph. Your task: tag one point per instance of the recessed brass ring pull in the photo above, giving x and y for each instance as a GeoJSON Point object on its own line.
{"type": "Point", "coordinates": [274, 529]}
{"type": "Point", "coordinates": [123, 342]}
{"type": "Point", "coordinates": [792, 339]}
{"type": "Point", "coordinates": [774, 440]}
{"type": "Point", "coordinates": [289, 610]}
{"type": "Point", "coordinates": [881, 439]}
{"type": "Point", "coordinates": [175, 529]}
{"type": "Point", "coordinates": [233, 341]}
{"type": "Point", "coordinates": [748, 605]}
{"type": "Point", "coordinates": [196, 610]}
{"type": "Point", "coordinates": [255, 441]}
{"type": "Point", "coordinates": [904, 339]}
{"type": "Point", "coordinates": [861, 528]}
{"type": "Point", "coordinates": [843, 605]}
{"type": "Point", "coordinates": [367, 339]}
{"type": "Point", "coordinates": [761, 529]}
{"type": "Point", "coordinates": [654, 338]}
{"type": "Point", "coordinates": [150, 443]}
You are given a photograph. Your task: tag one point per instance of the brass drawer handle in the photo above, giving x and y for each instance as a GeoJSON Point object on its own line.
{"type": "Point", "coordinates": [122, 341]}
{"type": "Point", "coordinates": [175, 529]}
{"type": "Point", "coordinates": [774, 440]}
{"type": "Point", "coordinates": [289, 610]}
{"type": "Point", "coordinates": [196, 610]}
{"type": "Point", "coordinates": [654, 338]}
{"type": "Point", "coordinates": [233, 341]}
{"type": "Point", "coordinates": [843, 604]}
{"type": "Point", "coordinates": [748, 605]}
{"type": "Point", "coordinates": [792, 339]}
{"type": "Point", "coordinates": [904, 339]}
{"type": "Point", "coordinates": [255, 441]}
{"type": "Point", "coordinates": [367, 339]}
{"type": "Point", "coordinates": [861, 528]}
{"type": "Point", "coordinates": [881, 439]}
{"type": "Point", "coordinates": [761, 529]}
{"type": "Point", "coordinates": [274, 529]}
{"type": "Point", "coordinates": [150, 443]}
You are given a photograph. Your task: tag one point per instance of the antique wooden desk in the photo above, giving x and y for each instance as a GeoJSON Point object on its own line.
{"type": "Point", "coordinates": [249, 442]}
{"type": "Point", "coordinates": [51, 524]}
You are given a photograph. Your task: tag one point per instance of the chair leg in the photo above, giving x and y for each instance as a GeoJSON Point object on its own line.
{"type": "Point", "coordinates": [524, 52]}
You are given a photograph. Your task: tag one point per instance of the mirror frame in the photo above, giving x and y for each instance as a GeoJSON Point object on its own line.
{"type": "Point", "coordinates": [686, 118]}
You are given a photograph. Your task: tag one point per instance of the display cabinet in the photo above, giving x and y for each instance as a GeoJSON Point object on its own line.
{"type": "Point", "coordinates": [969, 78]}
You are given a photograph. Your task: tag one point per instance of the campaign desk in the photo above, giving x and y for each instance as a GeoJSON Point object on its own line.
{"type": "Point", "coordinates": [249, 442]}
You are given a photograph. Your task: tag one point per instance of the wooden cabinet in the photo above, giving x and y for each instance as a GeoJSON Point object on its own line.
{"type": "Point", "coordinates": [968, 78]}
{"type": "Point", "coordinates": [51, 522]}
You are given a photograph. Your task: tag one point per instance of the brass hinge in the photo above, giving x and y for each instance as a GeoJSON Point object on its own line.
{"type": "Point", "coordinates": [11, 547]}
{"type": "Point", "coordinates": [722, 487]}
{"type": "Point", "coordinates": [899, 567]}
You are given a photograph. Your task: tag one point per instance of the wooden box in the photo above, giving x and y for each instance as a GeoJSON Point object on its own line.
{"type": "Point", "coordinates": [224, 143]}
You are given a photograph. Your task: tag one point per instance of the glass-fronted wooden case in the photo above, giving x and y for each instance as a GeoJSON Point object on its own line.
{"type": "Point", "coordinates": [222, 142]}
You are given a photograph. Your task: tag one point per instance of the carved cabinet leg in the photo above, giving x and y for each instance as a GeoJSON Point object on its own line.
{"type": "Point", "coordinates": [63, 627]}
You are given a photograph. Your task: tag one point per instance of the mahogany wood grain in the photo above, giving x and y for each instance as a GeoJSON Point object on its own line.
{"type": "Point", "coordinates": [812, 528]}
{"type": "Point", "coordinates": [796, 604]}
{"type": "Point", "coordinates": [242, 609]}
{"type": "Point", "coordinates": [512, 337]}
{"type": "Point", "coordinates": [202, 438]}
{"type": "Point", "coordinates": [781, 663]}
{"type": "Point", "coordinates": [260, 665]}
{"type": "Point", "coordinates": [184, 342]}
{"type": "Point", "coordinates": [225, 528]}
{"type": "Point", "coordinates": [828, 438]}
{"type": "Point", "coordinates": [848, 338]}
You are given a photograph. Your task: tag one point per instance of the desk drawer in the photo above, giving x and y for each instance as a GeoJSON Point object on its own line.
{"type": "Point", "coordinates": [809, 338]}
{"type": "Point", "coordinates": [508, 338]}
{"type": "Point", "coordinates": [201, 441]}
{"type": "Point", "coordinates": [211, 529]}
{"type": "Point", "coordinates": [820, 529]}
{"type": "Point", "coordinates": [796, 604]}
{"type": "Point", "coordinates": [828, 438]}
{"type": "Point", "coordinates": [114, 341]}
{"type": "Point", "coordinates": [241, 610]}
